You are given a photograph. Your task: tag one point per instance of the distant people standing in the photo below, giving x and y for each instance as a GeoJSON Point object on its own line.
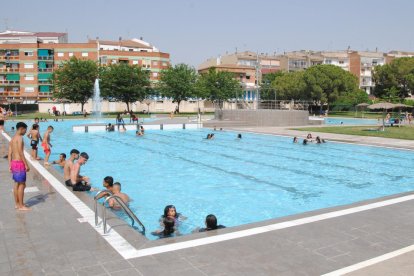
{"type": "Point", "coordinates": [54, 110]}
{"type": "Point", "coordinates": [120, 121]}
{"type": "Point", "coordinates": [2, 119]}
{"type": "Point", "coordinates": [34, 137]}
{"type": "Point", "coordinates": [47, 146]}
{"type": "Point", "coordinates": [18, 165]}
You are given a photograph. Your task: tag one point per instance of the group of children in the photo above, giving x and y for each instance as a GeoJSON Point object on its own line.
{"type": "Point", "coordinates": [35, 138]}
{"type": "Point", "coordinates": [309, 139]}
{"type": "Point", "coordinates": [171, 220]}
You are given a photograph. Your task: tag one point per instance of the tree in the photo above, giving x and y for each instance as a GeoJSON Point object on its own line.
{"type": "Point", "coordinates": [267, 91]}
{"type": "Point", "coordinates": [291, 86]}
{"type": "Point", "coordinates": [179, 83]}
{"type": "Point", "coordinates": [74, 80]}
{"type": "Point", "coordinates": [326, 83]}
{"type": "Point", "coordinates": [219, 86]}
{"type": "Point", "coordinates": [124, 83]}
{"type": "Point", "coordinates": [394, 80]}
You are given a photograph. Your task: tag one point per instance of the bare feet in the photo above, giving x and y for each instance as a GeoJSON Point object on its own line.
{"type": "Point", "coordinates": [47, 164]}
{"type": "Point", "coordinates": [24, 208]}
{"type": "Point", "coordinates": [38, 158]}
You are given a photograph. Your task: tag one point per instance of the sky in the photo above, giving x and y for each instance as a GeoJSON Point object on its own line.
{"type": "Point", "coordinates": [193, 31]}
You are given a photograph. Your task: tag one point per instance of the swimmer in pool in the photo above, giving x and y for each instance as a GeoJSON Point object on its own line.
{"type": "Point", "coordinates": [116, 190]}
{"type": "Point", "coordinates": [295, 139]}
{"type": "Point", "coordinates": [169, 228]}
{"type": "Point", "coordinates": [305, 141]}
{"type": "Point", "coordinates": [239, 136]}
{"type": "Point", "coordinates": [62, 160]}
{"type": "Point", "coordinates": [211, 224]}
{"type": "Point", "coordinates": [170, 211]}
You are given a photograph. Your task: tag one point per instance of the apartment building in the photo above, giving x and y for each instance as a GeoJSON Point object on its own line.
{"type": "Point", "coordinates": [362, 66]}
{"type": "Point", "coordinates": [247, 67]}
{"type": "Point", "coordinates": [299, 60]}
{"type": "Point", "coordinates": [26, 68]}
{"type": "Point", "coordinates": [340, 59]}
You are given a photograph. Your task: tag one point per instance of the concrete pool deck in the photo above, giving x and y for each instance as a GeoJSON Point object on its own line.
{"type": "Point", "coordinates": [53, 239]}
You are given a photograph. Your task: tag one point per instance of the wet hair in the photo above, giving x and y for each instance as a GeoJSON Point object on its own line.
{"type": "Point", "coordinates": [211, 222]}
{"type": "Point", "coordinates": [36, 119]}
{"type": "Point", "coordinates": [295, 139]}
{"type": "Point", "coordinates": [109, 180]}
{"type": "Point", "coordinates": [305, 141]}
{"type": "Point", "coordinates": [239, 136]}
{"type": "Point", "coordinates": [84, 155]}
{"type": "Point", "coordinates": [64, 155]}
{"type": "Point", "coordinates": [21, 125]}
{"type": "Point", "coordinates": [51, 127]}
{"type": "Point", "coordinates": [117, 184]}
{"type": "Point", "coordinates": [167, 208]}
{"type": "Point", "coordinates": [74, 151]}
{"type": "Point", "coordinates": [169, 224]}
{"type": "Point", "coordinates": [208, 136]}
{"type": "Point", "coordinates": [35, 126]}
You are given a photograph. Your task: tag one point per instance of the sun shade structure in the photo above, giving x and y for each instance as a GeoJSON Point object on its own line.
{"type": "Point", "coordinates": [384, 106]}
{"type": "Point", "coordinates": [362, 106]}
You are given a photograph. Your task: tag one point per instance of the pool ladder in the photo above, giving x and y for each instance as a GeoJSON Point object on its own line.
{"type": "Point", "coordinates": [126, 209]}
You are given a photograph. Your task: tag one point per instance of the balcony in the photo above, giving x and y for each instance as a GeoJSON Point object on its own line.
{"type": "Point", "coordinates": [9, 57]}
{"type": "Point", "coordinates": [45, 69]}
{"type": "Point", "coordinates": [45, 58]}
{"type": "Point", "coordinates": [9, 70]}
{"type": "Point", "coordinates": [10, 82]}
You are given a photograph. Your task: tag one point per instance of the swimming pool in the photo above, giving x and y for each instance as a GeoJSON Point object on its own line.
{"type": "Point", "coordinates": [240, 181]}
{"type": "Point", "coordinates": [349, 121]}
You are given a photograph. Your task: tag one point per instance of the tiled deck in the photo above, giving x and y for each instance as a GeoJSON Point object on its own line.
{"type": "Point", "coordinates": [50, 240]}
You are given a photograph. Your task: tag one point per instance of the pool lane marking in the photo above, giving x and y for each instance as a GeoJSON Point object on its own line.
{"type": "Point", "coordinates": [371, 262]}
{"type": "Point", "coordinates": [125, 249]}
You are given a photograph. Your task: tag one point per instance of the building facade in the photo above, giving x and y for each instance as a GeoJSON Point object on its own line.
{"type": "Point", "coordinates": [26, 68]}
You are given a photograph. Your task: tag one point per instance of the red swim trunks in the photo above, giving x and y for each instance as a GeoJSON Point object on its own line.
{"type": "Point", "coordinates": [46, 148]}
{"type": "Point", "coordinates": [18, 171]}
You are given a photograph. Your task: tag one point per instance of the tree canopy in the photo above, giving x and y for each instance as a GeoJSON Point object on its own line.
{"type": "Point", "coordinates": [124, 83]}
{"type": "Point", "coordinates": [394, 81]}
{"type": "Point", "coordinates": [74, 80]}
{"type": "Point", "coordinates": [179, 83]}
{"type": "Point", "coordinates": [218, 86]}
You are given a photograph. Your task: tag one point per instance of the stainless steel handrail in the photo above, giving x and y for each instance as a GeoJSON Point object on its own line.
{"type": "Point", "coordinates": [95, 207]}
{"type": "Point", "coordinates": [126, 209]}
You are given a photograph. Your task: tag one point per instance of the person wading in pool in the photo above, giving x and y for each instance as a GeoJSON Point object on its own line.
{"type": "Point", "coordinates": [80, 183]}
{"type": "Point", "coordinates": [74, 155]}
{"type": "Point", "coordinates": [18, 165]}
{"type": "Point", "coordinates": [116, 189]}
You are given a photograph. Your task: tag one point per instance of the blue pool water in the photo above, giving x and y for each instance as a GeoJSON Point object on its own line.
{"type": "Point", "coordinates": [350, 121]}
{"type": "Point", "coordinates": [240, 181]}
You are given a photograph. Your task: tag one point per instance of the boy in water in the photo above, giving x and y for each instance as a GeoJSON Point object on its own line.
{"type": "Point", "coordinates": [80, 183]}
{"type": "Point", "coordinates": [46, 144]}
{"type": "Point", "coordinates": [116, 190]}
{"type": "Point", "coordinates": [34, 137]}
{"type": "Point", "coordinates": [74, 155]}
{"type": "Point", "coordinates": [62, 160]}
{"type": "Point", "coordinates": [18, 165]}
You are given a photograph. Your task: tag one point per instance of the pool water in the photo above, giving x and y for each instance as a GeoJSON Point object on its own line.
{"type": "Point", "coordinates": [350, 121]}
{"type": "Point", "coordinates": [240, 181]}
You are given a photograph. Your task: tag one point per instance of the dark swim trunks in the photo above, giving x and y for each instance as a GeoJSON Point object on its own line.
{"type": "Point", "coordinates": [1, 122]}
{"type": "Point", "coordinates": [34, 144]}
{"type": "Point", "coordinates": [80, 187]}
{"type": "Point", "coordinates": [68, 183]}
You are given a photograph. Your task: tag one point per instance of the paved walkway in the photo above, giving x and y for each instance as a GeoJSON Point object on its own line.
{"type": "Point", "coordinates": [50, 240]}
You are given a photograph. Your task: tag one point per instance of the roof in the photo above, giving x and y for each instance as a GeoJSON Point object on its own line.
{"type": "Point", "coordinates": [9, 33]}
{"type": "Point", "coordinates": [125, 43]}
{"type": "Point", "coordinates": [229, 66]}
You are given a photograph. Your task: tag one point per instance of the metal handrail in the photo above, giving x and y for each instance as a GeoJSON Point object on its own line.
{"type": "Point", "coordinates": [126, 209]}
{"type": "Point", "coordinates": [95, 207]}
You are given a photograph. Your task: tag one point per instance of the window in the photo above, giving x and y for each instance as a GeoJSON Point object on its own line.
{"type": "Point", "coordinates": [113, 61]}
{"type": "Point", "coordinates": [28, 65]}
{"type": "Point", "coordinates": [71, 54]}
{"type": "Point", "coordinates": [155, 63]}
{"type": "Point", "coordinates": [29, 89]}
{"type": "Point", "coordinates": [85, 54]}
{"type": "Point", "coordinates": [15, 89]}
{"type": "Point", "coordinates": [1, 89]}
{"type": "Point", "coordinates": [247, 77]}
{"type": "Point", "coordinates": [61, 54]}
{"type": "Point", "coordinates": [28, 53]}
{"type": "Point", "coordinates": [328, 61]}
{"type": "Point", "coordinates": [164, 64]}
{"type": "Point", "coordinates": [29, 77]}
{"type": "Point", "coordinates": [135, 62]}
{"type": "Point", "coordinates": [155, 74]}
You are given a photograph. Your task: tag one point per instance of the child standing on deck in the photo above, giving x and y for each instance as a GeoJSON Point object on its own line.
{"type": "Point", "coordinates": [46, 144]}
{"type": "Point", "coordinates": [18, 165]}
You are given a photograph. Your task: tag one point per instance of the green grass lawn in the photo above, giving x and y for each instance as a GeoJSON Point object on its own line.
{"type": "Point", "coordinates": [404, 132]}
